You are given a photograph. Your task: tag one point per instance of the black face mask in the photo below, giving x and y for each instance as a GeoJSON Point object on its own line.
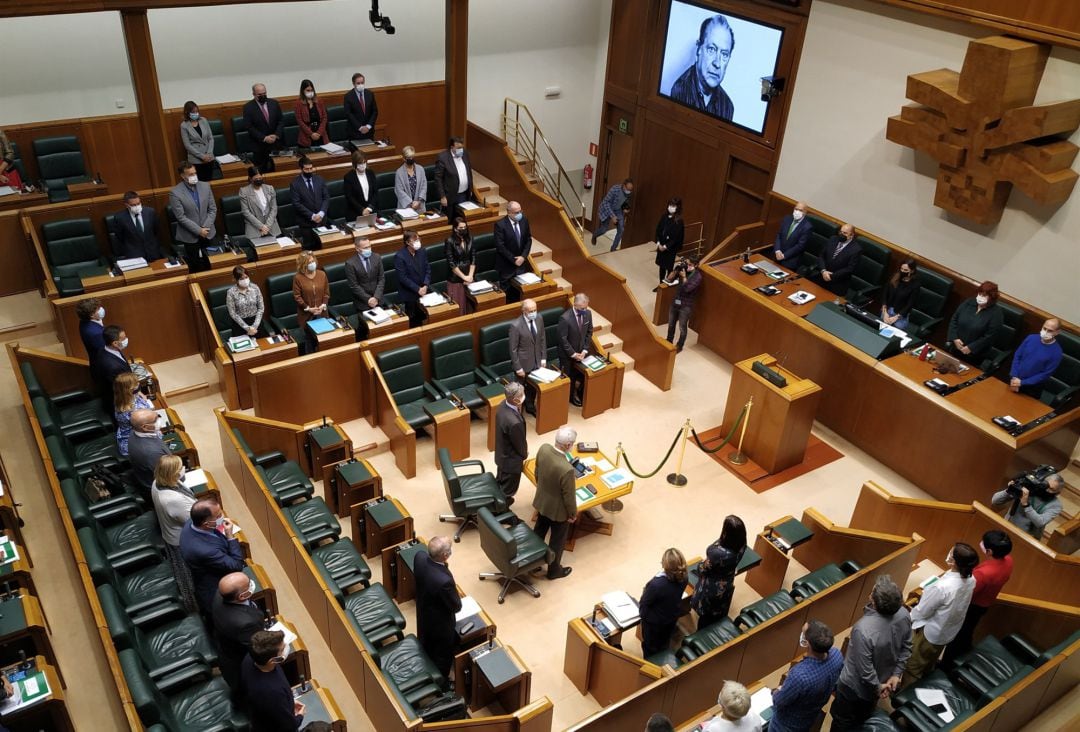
{"type": "Point", "coordinates": [261, 99]}
{"type": "Point", "coordinates": [257, 182]}
{"type": "Point", "coordinates": [410, 161]}
{"type": "Point", "coordinates": [463, 233]}
{"type": "Point", "coordinates": [308, 176]}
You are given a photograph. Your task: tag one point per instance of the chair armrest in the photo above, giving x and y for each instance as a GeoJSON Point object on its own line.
{"type": "Point", "coordinates": [276, 457]}
{"type": "Point", "coordinates": [134, 553]}
{"type": "Point", "coordinates": [482, 376]}
{"type": "Point", "coordinates": [929, 325]}
{"type": "Point", "coordinates": [488, 373]}
{"type": "Point", "coordinates": [137, 558]}
{"type": "Point", "coordinates": [84, 429]}
{"type": "Point", "coordinates": [433, 392]}
{"type": "Point", "coordinates": [181, 664]}
{"type": "Point", "coordinates": [76, 395]}
{"type": "Point", "coordinates": [183, 676]}
{"type": "Point", "coordinates": [509, 518]}
{"type": "Point", "coordinates": [1022, 648]}
{"type": "Point", "coordinates": [157, 611]}
{"type": "Point", "coordinates": [440, 388]}
{"type": "Point", "coordinates": [1063, 396]}
{"type": "Point", "coordinates": [478, 465]}
{"type": "Point", "coordinates": [116, 507]}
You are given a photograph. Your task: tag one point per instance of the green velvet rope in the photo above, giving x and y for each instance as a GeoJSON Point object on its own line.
{"type": "Point", "coordinates": [708, 451]}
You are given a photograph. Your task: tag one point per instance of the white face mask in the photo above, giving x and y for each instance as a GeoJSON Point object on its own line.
{"type": "Point", "coordinates": [192, 180]}
{"type": "Point", "coordinates": [797, 215]}
{"type": "Point", "coordinates": [416, 246]}
{"type": "Point", "coordinates": [312, 266]}
{"type": "Point", "coordinates": [1046, 335]}
{"type": "Point", "coordinates": [982, 299]}
{"type": "Point", "coordinates": [309, 95]}
{"type": "Point", "coordinates": [803, 643]}
{"type": "Point", "coordinates": [100, 314]}
{"type": "Point", "coordinates": [459, 152]}
{"type": "Point", "coordinates": [360, 88]}
{"type": "Point", "coordinates": [671, 209]}
{"type": "Point", "coordinates": [361, 168]}
{"type": "Point", "coordinates": [244, 282]}
{"type": "Point", "coordinates": [530, 316]}
{"type": "Point", "coordinates": [123, 344]}
{"type": "Point", "coordinates": [136, 210]}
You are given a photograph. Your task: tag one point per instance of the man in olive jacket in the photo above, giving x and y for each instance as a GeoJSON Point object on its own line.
{"type": "Point", "coordinates": [555, 500]}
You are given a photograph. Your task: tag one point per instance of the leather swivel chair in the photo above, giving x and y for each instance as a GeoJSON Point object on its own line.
{"type": "Point", "coordinates": [769, 607]}
{"type": "Point", "coordinates": [1008, 336]}
{"type": "Point", "coordinates": [281, 307]}
{"type": "Point", "coordinates": [712, 636]}
{"type": "Point", "coordinates": [72, 251]}
{"type": "Point", "coordinates": [469, 492]}
{"type": "Point", "coordinates": [513, 548]}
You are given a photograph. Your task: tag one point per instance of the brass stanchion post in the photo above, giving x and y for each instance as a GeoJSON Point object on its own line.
{"type": "Point", "coordinates": [737, 457]}
{"type": "Point", "coordinates": [614, 505]}
{"type": "Point", "coordinates": [677, 478]}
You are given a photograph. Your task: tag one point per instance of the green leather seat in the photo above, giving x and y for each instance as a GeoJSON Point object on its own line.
{"type": "Point", "coordinates": [108, 512]}
{"type": "Point", "coordinates": [666, 657]}
{"type": "Point", "coordinates": [341, 566]}
{"type": "Point", "coordinates": [385, 179]}
{"type": "Point", "coordinates": [550, 317]}
{"type": "Point", "coordinates": [513, 548]}
{"type": "Point", "coordinates": [820, 233]}
{"type": "Point", "coordinates": [879, 721]}
{"type": "Point", "coordinates": [494, 341]}
{"type": "Point", "coordinates": [467, 493]}
{"type": "Point", "coordinates": [341, 297]}
{"type": "Point", "coordinates": [285, 479]}
{"type": "Point", "coordinates": [769, 607]}
{"type": "Point", "coordinates": [403, 372]}
{"type": "Point", "coordinates": [390, 288]}
{"type": "Point", "coordinates": [290, 128]}
{"type": "Point", "coordinates": [993, 662]}
{"type": "Point", "coordinates": [337, 127]}
{"type": "Point", "coordinates": [336, 210]}
{"type": "Point", "coordinates": [129, 538]}
{"type": "Point", "coordinates": [440, 268]}
{"type": "Point", "coordinates": [60, 162]}
{"type": "Point", "coordinates": [409, 671]}
{"type": "Point", "coordinates": [712, 636]}
{"type": "Point", "coordinates": [281, 306]}
{"type": "Point", "coordinates": [76, 460]}
{"type": "Point", "coordinates": [142, 580]}
{"type": "Point", "coordinates": [1008, 336]}
{"type": "Point", "coordinates": [219, 311]}
{"type": "Point", "coordinates": [1064, 383]}
{"type": "Point", "coordinates": [286, 216]}
{"type": "Point", "coordinates": [929, 307]}
{"type": "Point", "coordinates": [73, 252]}
{"type": "Point", "coordinates": [373, 613]}
{"type": "Point", "coordinates": [484, 246]}
{"type": "Point", "coordinates": [241, 139]}
{"type": "Point", "coordinates": [433, 202]}
{"type": "Point", "coordinates": [85, 419]}
{"type": "Point", "coordinates": [871, 270]}
{"type": "Point", "coordinates": [820, 579]}
{"type": "Point", "coordinates": [199, 702]}
{"type": "Point", "coordinates": [312, 521]}
{"type": "Point", "coordinates": [454, 371]}
{"type": "Point", "coordinates": [917, 716]}
{"type": "Point", "coordinates": [233, 215]}
{"type": "Point", "coordinates": [386, 201]}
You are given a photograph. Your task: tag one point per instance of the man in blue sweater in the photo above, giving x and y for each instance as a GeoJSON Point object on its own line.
{"type": "Point", "coordinates": [1036, 360]}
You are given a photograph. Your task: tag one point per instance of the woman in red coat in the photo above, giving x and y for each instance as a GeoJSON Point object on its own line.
{"type": "Point", "coordinates": [311, 117]}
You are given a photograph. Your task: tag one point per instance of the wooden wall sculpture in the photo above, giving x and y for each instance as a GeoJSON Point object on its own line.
{"type": "Point", "coordinates": [985, 132]}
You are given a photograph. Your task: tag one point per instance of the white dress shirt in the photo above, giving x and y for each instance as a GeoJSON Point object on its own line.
{"type": "Point", "coordinates": [362, 177]}
{"type": "Point", "coordinates": [462, 174]}
{"type": "Point", "coordinates": [941, 611]}
{"type": "Point", "coordinates": [260, 195]}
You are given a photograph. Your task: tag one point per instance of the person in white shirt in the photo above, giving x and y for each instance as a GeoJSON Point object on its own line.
{"type": "Point", "coordinates": [937, 618]}
{"type": "Point", "coordinates": [735, 713]}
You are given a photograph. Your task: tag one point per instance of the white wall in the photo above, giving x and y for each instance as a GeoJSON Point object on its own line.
{"type": "Point", "coordinates": [852, 76]}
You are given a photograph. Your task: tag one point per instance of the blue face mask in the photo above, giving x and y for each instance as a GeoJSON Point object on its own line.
{"type": "Point", "coordinates": [518, 216]}
{"type": "Point", "coordinates": [581, 311]}
{"type": "Point", "coordinates": [193, 116]}
{"type": "Point", "coordinates": [365, 253]}
{"type": "Point", "coordinates": [459, 152]}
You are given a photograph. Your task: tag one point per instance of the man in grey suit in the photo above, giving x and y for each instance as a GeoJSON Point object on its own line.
{"type": "Point", "coordinates": [555, 501]}
{"type": "Point", "coordinates": [192, 204]}
{"type": "Point", "coordinates": [258, 203]}
{"type": "Point", "coordinates": [364, 271]}
{"type": "Point", "coordinates": [511, 448]}
{"type": "Point", "coordinates": [528, 350]}
{"type": "Point", "coordinates": [145, 447]}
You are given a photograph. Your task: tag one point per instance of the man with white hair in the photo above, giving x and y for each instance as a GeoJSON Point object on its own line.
{"type": "Point", "coordinates": [513, 242]}
{"type": "Point", "coordinates": [437, 602]}
{"type": "Point", "coordinates": [575, 340]}
{"type": "Point", "coordinates": [511, 447]}
{"type": "Point", "coordinates": [555, 501]}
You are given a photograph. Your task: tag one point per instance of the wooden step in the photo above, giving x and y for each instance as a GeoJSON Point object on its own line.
{"type": "Point", "coordinates": [564, 285]}
{"type": "Point", "coordinates": [609, 341]}
{"type": "Point", "coordinates": [525, 164]}
{"type": "Point", "coordinates": [600, 324]}
{"type": "Point", "coordinates": [550, 268]}
{"type": "Point", "coordinates": [482, 184]}
{"type": "Point", "coordinates": [539, 252]}
{"type": "Point", "coordinates": [623, 358]}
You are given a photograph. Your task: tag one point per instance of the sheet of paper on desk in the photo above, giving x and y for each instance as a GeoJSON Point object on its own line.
{"type": "Point", "coordinates": [761, 701]}
{"type": "Point", "coordinates": [171, 266]}
{"type": "Point", "coordinates": [385, 225]}
{"type": "Point", "coordinates": [469, 606]}
{"type": "Point", "coordinates": [126, 265]}
{"type": "Point", "coordinates": [407, 213]}
{"type": "Point", "coordinates": [615, 478]}
{"type": "Point", "coordinates": [432, 299]}
{"type": "Point", "coordinates": [227, 158]}
{"type": "Point", "coordinates": [195, 478]}
{"type": "Point", "coordinates": [333, 148]}
{"type": "Point", "coordinates": [285, 241]}
{"type": "Point", "coordinates": [604, 465]}
{"type": "Point", "coordinates": [544, 375]}
{"type": "Point", "coordinates": [289, 635]}
{"type": "Point", "coordinates": [7, 191]}
{"type": "Point", "coordinates": [331, 229]}
{"type": "Point", "coordinates": [468, 206]}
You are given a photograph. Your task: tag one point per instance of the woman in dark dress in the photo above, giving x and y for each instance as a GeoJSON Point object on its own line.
{"type": "Point", "coordinates": [660, 600]}
{"type": "Point", "coordinates": [716, 578]}
{"type": "Point", "coordinates": [669, 237]}
{"type": "Point", "coordinates": [974, 326]}
{"type": "Point", "coordinates": [461, 260]}
{"type": "Point", "coordinates": [899, 295]}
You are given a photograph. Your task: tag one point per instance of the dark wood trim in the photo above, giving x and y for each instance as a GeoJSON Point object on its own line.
{"type": "Point", "coordinates": [56, 7]}
{"type": "Point", "coordinates": [144, 80]}
{"type": "Point", "coordinates": [1046, 21]}
{"type": "Point", "coordinates": [457, 66]}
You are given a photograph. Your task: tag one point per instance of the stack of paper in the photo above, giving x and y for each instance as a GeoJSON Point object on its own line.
{"type": "Point", "coordinates": [285, 241]}
{"type": "Point", "coordinates": [384, 225]}
{"type": "Point", "coordinates": [544, 375]}
{"type": "Point", "coordinates": [469, 607]}
{"type": "Point", "coordinates": [162, 418]}
{"type": "Point", "coordinates": [7, 191]}
{"type": "Point", "coordinates": [432, 299]}
{"type": "Point", "coordinates": [323, 230]}
{"type": "Point", "coordinates": [227, 158]}
{"type": "Point", "coordinates": [195, 478]}
{"type": "Point", "coordinates": [126, 265]}
{"type": "Point", "coordinates": [621, 608]}
{"type": "Point", "coordinates": [262, 241]}
{"type": "Point", "coordinates": [468, 206]}
{"type": "Point", "coordinates": [615, 478]}
{"type": "Point", "coordinates": [592, 363]}
{"type": "Point", "coordinates": [378, 315]}
{"type": "Point", "coordinates": [238, 344]}
{"type": "Point", "coordinates": [527, 278]}
{"type": "Point", "coordinates": [407, 213]}
{"type": "Point", "coordinates": [333, 148]}
{"type": "Point", "coordinates": [479, 286]}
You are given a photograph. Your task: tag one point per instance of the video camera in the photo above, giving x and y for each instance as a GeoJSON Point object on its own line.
{"type": "Point", "coordinates": [1034, 480]}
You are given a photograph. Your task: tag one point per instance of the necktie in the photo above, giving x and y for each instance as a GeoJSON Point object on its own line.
{"type": "Point", "coordinates": [195, 195]}
{"type": "Point", "coordinates": [517, 232]}
{"type": "Point", "coordinates": [532, 328]}
{"type": "Point", "coordinates": [363, 107]}
{"type": "Point", "coordinates": [791, 228]}
{"type": "Point", "coordinates": [839, 247]}
{"type": "Point", "coordinates": [138, 222]}
{"type": "Point", "coordinates": [310, 187]}
{"type": "Point", "coordinates": [265, 111]}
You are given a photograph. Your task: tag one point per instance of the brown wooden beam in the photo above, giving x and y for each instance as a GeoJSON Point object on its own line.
{"type": "Point", "coordinates": [457, 67]}
{"type": "Point", "coordinates": [157, 142]}
{"type": "Point", "coordinates": [18, 8]}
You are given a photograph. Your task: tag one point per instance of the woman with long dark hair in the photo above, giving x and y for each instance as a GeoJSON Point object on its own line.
{"type": "Point", "coordinates": [669, 237]}
{"type": "Point", "coordinates": [716, 577]}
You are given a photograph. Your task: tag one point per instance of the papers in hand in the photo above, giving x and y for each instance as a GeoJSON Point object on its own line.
{"type": "Point", "coordinates": [621, 608]}
{"type": "Point", "coordinates": [227, 158]}
{"type": "Point", "coordinates": [432, 299]}
{"type": "Point", "coordinates": [615, 478]}
{"type": "Point", "coordinates": [289, 635]}
{"type": "Point", "coordinates": [527, 278]}
{"type": "Point", "coordinates": [544, 375]}
{"type": "Point", "coordinates": [406, 213]}
{"type": "Point", "coordinates": [469, 607]}
{"type": "Point", "coordinates": [126, 265]}
{"type": "Point", "coordinates": [378, 315]}
{"type": "Point", "coordinates": [479, 286]}
{"type": "Point", "coordinates": [163, 420]}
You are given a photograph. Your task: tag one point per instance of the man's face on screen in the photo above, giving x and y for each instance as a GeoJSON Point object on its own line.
{"type": "Point", "coordinates": [713, 55]}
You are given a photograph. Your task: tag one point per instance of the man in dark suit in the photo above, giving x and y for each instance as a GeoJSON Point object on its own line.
{"type": "Point", "coordinates": [453, 176]}
{"type": "Point", "coordinates": [513, 241]}
{"type": "Point", "coordinates": [310, 200]}
{"type": "Point", "coordinates": [511, 447]}
{"type": "Point", "coordinates": [837, 261]}
{"type": "Point", "coordinates": [236, 618]}
{"type": "Point", "coordinates": [791, 238]}
{"type": "Point", "coordinates": [361, 110]}
{"type": "Point", "coordinates": [414, 277]}
{"type": "Point", "coordinates": [575, 340]}
{"type": "Point", "coordinates": [437, 604]}
{"type": "Point", "coordinates": [528, 350]}
{"type": "Point", "coordinates": [364, 271]}
{"type": "Point", "coordinates": [109, 362]}
{"type": "Point", "coordinates": [135, 229]}
{"type": "Point", "coordinates": [145, 448]}
{"type": "Point", "coordinates": [555, 501]}
{"type": "Point", "coordinates": [211, 551]}
{"type": "Point", "coordinates": [263, 121]}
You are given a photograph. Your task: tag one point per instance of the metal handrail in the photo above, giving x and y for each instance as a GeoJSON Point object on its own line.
{"type": "Point", "coordinates": [526, 143]}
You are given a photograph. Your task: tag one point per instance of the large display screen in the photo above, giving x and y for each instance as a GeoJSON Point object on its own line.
{"type": "Point", "coordinates": [714, 62]}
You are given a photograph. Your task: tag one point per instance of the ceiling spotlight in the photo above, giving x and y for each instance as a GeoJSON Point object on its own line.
{"type": "Point", "coordinates": [379, 21]}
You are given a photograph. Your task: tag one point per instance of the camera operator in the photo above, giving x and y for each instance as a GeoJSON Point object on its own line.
{"type": "Point", "coordinates": [1034, 497]}
{"type": "Point", "coordinates": [689, 281]}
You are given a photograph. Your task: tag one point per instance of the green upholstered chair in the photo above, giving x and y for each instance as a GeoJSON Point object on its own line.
{"type": "Point", "coordinates": [341, 299]}
{"type": "Point", "coordinates": [769, 607]}
{"type": "Point", "coordinates": [712, 636]}
{"type": "Point", "coordinates": [217, 129]}
{"type": "Point", "coordinates": [993, 662]}
{"type": "Point", "coordinates": [337, 123]}
{"type": "Point", "coordinates": [404, 375]}
{"type": "Point", "coordinates": [550, 317]}
{"type": "Point", "coordinates": [73, 252]}
{"type": "Point", "coordinates": [112, 513]}
{"type": "Point", "coordinates": [390, 285]}
{"type": "Point", "coordinates": [386, 201]}
{"type": "Point", "coordinates": [281, 307]}
{"type": "Point", "coordinates": [241, 139]}
{"type": "Point", "coordinates": [879, 721]}
{"type": "Point", "coordinates": [871, 271]}
{"type": "Point", "coordinates": [385, 179]}
{"type": "Point", "coordinates": [433, 203]}
{"type": "Point", "coordinates": [128, 538]}
{"type": "Point", "coordinates": [76, 406]}
{"type": "Point", "coordinates": [454, 370]}
{"type": "Point", "coordinates": [285, 479]}
{"type": "Point", "coordinates": [60, 162]}
{"type": "Point", "coordinates": [495, 351]}
{"type": "Point", "coordinates": [373, 613]}
{"type": "Point", "coordinates": [513, 548]}
{"type": "Point", "coordinates": [198, 702]}
{"type": "Point", "coordinates": [1008, 337]}
{"type": "Point", "coordinates": [233, 215]}
{"type": "Point", "coordinates": [291, 128]}
{"type": "Point", "coordinates": [336, 210]}
{"type": "Point", "coordinates": [484, 246]}
{"type": "Point", "coordinates": [820, 579]}
{"type": "Point", "coordinates": [820, 233]}
{"type": "Point", "coordinates": [313, 522]}
{"type": "Point", "coordinates": [83, 422]}
{"type": "Point", "coordinates": [917, 716]}
{"type": "Point", "coordinates": [1064, 383]}
{"type": "Point", "coordinates": [440, 268]}
{"type": "Point", "coordinates": [929, 307]}
{"type": "Point", "coordinates": [75, 457]}
{"type": "Point", "coordinates": [666, 657]}
{"type": "Point", "coordinates": [217, 301]}
{"type": "Point", "coordinates": [341, 566]}
{"type": "Point", "coordinates": [467, 492]}
{"type": "Point", "coordinates": [286, 216]}
{"type": "Point", "coordinates": [143, 580]}
{"type": "Point", "coordinates": [409, 672]}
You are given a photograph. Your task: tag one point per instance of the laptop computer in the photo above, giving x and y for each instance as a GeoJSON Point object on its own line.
{"type": "Point", "coordinates": [263, 241]}
{"type": "Point", "coordinates": [945, 363]}
{"type": "Point", "coordinates": [364, 222]}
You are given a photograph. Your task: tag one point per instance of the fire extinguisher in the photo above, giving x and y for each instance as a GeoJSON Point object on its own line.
{"type": "Point", "coordinates": [587, 174]}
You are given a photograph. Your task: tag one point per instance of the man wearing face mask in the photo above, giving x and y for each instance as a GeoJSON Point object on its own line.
{"type": "Point", "coordinates": [135, 231]}
{"type": "Point", "coordinates": [236, 618]}
{"type": "Point", "coordinates": [145, 447]}
{"type": "Point", "coordinates": [612, 211]}
{"type": "Point", "coordinates": [792, 236]}
{"type": "Point", "coordinates": [310, 200]}
{"type": "Point", "coordinates": [258, 204]}
{"type": "Point", "coordinates": [109, 362]}
{"type": "Point", "coordinates": [91, 315]}
{"type": "Point", "coordinates": [837, 261]}
{"type": "Point", "coordinates": [513, 242]}
{"type": "Point", "coordinates": [414, 277]}
{"type": "Point", "coordinates": [809, 684]}
{"type": "Point", "coordinates": [210, 549]}
{"type": "Point", "coordinates": [264, 125]}
{"type": "Point", "coordinates": [453, 177]}
{"type": "Point", "coordinates": [575, 342]}
{"type": "Point", "coordinates": [192, 204]}
{"type": "Point", "coordinates": [683, 304]}
{"type": "Point", "coordinates": [511, 447]}
{"type": "Point", "coordinates": [1036, 359]}
{"type": "Point", "coordinates": [270, 702]}
{"type": "Point", "coordinates": [437, 602]}
{"type": "Point", "coordinates": [361, 110]}
{"type": "Point", "coordinates": [361, 188]}
{"type": "Point", "coordinates": [528, 349]}
{"type": "Point", "coordinates": [367, 281]}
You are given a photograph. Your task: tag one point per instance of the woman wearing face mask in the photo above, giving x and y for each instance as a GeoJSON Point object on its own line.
{"type": "Point", "coordinates": [126, 399]}
{"type": "Point", "coordinates": [258, 204]}
{"type": "Point", "coordinates": [198, 141]}
{"type": "Point", "coordinates": [462, 262]}
{"type": "Point", "coordinates": [91, 324]}
{"type": "Point", "coordinates": [310, 116]}
{"type": "Point", "coordinates": [660, 601]}
{"type": "Point", "coordinates": [410, 182]}
{"type": "Point", "coordinates": [716, 576]}
{"type": "Point", "coordinates": [245, 305]}
{"type": "Point", "coordinates": [899, 295]}
{"type": "Point", "coordinates": [669, 237]}
{"type": "Point", "coordinates": [974, 326]}
{"type": "Point", "coordinates": [361, 188]}
{"type": "Point", "coordinates": [172, 504]}
{"type": "Point", "coordinates": [311, 290]}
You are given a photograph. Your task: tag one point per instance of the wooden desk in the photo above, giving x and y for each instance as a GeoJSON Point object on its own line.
{"type": "Point", "coordinates": [87, 190]}
{"type": "Point", "coordinates": [96, 283]}
{"type": "Point", "coordinates": [238, 387]}
{"type": "Point", "coordinates": [49, 712]}
{"type": "Point", "coordinates": [553, 404]}
{"type": "Point", "coordinates": [397, 570]}
{"type": "Point", "coordinates": [350, 482]}
{"type": "Point", "coordinates": [23, 200]}
{"type": "Point", "coordinates": [23, 628]}
{"type": "Point", "coordinates": [396, 324]}
{"type": "Point", "coordinates": [320, 706]}
{"type": "Point", "coordinates": [156, 269]}
{"type": "Point", "coordinates": [450, 428]}
{"type": "Point", "coordinates": [486, 300]}
{"type": "Point", "coordinates": [495, 673]}
{"type": "Point", "coordinates": [339, 336]}
{"type": "Point", "coordinates": [603, 388]}
{"type": "Point", "coordinates": [919, 371]}
{"type": "Point", "coordinates": [370, 536]}
{"type": "Point", "coordinates": [226, 259]}
{"type": "Point", "coordinates": [767, 577]}
{"type": "Point", "coordinates": [438, 313]}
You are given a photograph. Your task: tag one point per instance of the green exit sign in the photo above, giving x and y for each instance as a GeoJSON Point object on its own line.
{"type": "Point", "coordinates": [623, 125]}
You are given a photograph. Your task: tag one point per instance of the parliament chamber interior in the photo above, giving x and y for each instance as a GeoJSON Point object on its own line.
{"type": "Point", "coordinates": [865, 246]}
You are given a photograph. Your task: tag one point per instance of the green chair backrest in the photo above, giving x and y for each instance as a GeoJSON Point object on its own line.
{"type": "Point", "coordinates": [47, 416]}
{"type": "Point", "coordinates": [385, 179]}
{"type": "Point", "coordinates": [148, 701]}
{"type": "Point", "coordinates": [551, 332]}
{"type": "Point", "coordinates": [243, 444]}
{"type": "Point", "coordinates": [390, 279]}
{"type": "Point", "coordinates": [495, 347]}
{"type": "Point", "coordinates": [934, 291]}
{"type": "Point", "coordinates": [241, 139]}
{"type": "Point", "coordinates": [386, 201]}
{"type": "Point", "coordinates": [291, 128]}
{"type": "Point", "coordinates": [59, 158]}
{"type": "Point", "coordinates": [233, 215]}
{"type": "Point", "coordinates": [452, 360]}
{"type": "Point", "coordinates": [217, 129]}
{"type": "Point", "coordinates": [33, 386]}
{"type": "Point", "coordinates": [404, 373]}
{"type": "Point", "coordinates": [216, 299]}
{"type": "Point", "coordinates": [279, 293]}
{"type": "Point", "coordinates": [71, 247]}
{"type": "Point", "coordinates": [336, 188]}
{"type": "Point", "coordinates": [285, 215]}
{"type": "Point", "coordinates": [496, 541]}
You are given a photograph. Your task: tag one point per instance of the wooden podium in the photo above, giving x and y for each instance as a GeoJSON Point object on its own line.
{"type": "Point", "coordinates": [780, 419]}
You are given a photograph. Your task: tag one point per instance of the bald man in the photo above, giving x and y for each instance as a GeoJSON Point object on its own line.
{"type": "Point", "coordinates": [792, 237]}
{"type": "Point", "coordinates": [513, 242]}
{"type": "Point", "coordinates": [837, 261]}
{"type": "Point", "coordinates": [437, 603]}
{"type": "Point", "coordinates": [1036, 359]}
{"type": "Point", "coordinates": [145, 447]}
{"type": "Point", "coordinates": [236, 618]}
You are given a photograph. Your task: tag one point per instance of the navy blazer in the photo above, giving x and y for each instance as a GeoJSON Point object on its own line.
{"type": "Point", "coordinates": [793, 244]}
{"type": "Point", "coordinates": [507, 247]}
{"type": "Point", "coordinates": [358, 118]}
{"type": "Point", "coordinates": [308, 202]}
{"type": "Point", "coordinates": [258, 127]}
{"type": "Point", "coordinates": [413, 272]}
{"type": "Point", "coordinates": [130, 242]}
{"type": "Point", "coordinates": [91, 333]}
{"type": "Point", "coordinates": [840, 267]}
{"type": "Point", "coordinates": [210, 556]}
{"type": "Point", "coordinates": [104, 368]}
{"type": "Point", "coordinates": [437, 602]}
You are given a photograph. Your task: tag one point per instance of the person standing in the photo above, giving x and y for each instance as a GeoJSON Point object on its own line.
{"type": "Point", "coordinates": [798, 702]}
{"type": "Point", "coordinates": [837, 261]}
{"type": "Point", "coordinates": [660, 603]}
{"type": "Point", "coordinates": [311, 117]}
{"type": "Point", "coordinates": [265, 127]}
{"type": "Point", "coordinates": [437, 603]}
{"type": "Point", "coordinates": [612, 211]}
{"type": "Point", "coordinates": [211, 551]}
{"type": "Point", "coordinates": [135, 229]}
{"type": "Point", "coordinates": [511, 447]}
{"type": "Point", "coordinates": [126, 399]}
{"type": "Point", "coordinates": [91, 315]}
{"type": "Point", "coordinates": [264, 687]}
{"type": "Point", "coordinates": [410, 183]}
{"type": "Point", "coordinates": [716, 576]}
{"type": "Point", "coordinates": [172, 506]}
{"type": "Point", "coordinates": [145, 448]}
{"type": "Point", "coordinates": [258, 204]}
{"type": "Point", "coordinates": [669, 237]}
{"type": "Point", "coordinates": [461, 260]}
{"type": "Point", "coordinates": [683, 304]}
{"type": "Point", "coordinates": [414, 277]}
{"type": "Point", "coordinates": [990, 577]}
{"type": "Point", "coordinates": [453, 176]}
{"type": "Point", "coordinates": [366, 279]}
{"type": "Point", "coordinates": [198, 140]}
{"type": "Point", "coordinates": [575, 341]}
{"type": "Point", "coordinates": [236, 618]}
{"type": "Point", "coordinates": [109, 362]}
{"type": "Point", "coordinates": [792, 236]}
{"type": "Point", "coordinates": [361, 110]}
{"type": "Point", "coordinates": [528, 350]}
{"type": "Point", "coordinates": [513, 242]}
{"type": "Point", "coordinates": [878, 652]}
{"type": "Point", "coordinates": [311, 291]}
{"type": "Point", "coordinates": [9, 174]}
{"type": "Point", "coordinates": [975, 323]}
{"type": "Point", "coordinates": [361, 188]}
{"type": "Point", "coordinates": [1036, 359]}
{"type": "Point", "coordinates": [311, 201]}
{"type": "Point", "coordinates": [192, 204]}
{"type": "Point", "coordinates": [555, 502]}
